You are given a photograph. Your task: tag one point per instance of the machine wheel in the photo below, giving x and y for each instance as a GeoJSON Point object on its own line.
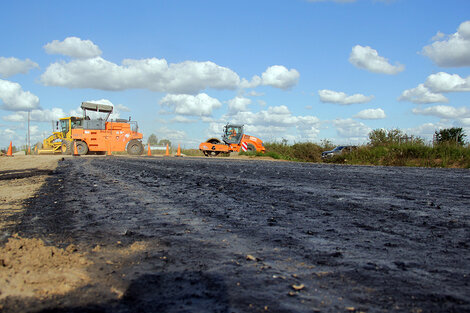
{"type": "Point", "coordinates": [82, 147]}
{"type": "Point", "coordinates": [212, 153]}
{"type": "Point", "coordinates": [66, 147]}
{"type": "Point", "coordinates": [135, 147]}
{"type": "Point", "coordinates": [250, 148]}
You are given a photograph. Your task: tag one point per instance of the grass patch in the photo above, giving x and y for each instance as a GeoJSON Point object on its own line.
{"type": "Point", "coordinates": [392, 154]}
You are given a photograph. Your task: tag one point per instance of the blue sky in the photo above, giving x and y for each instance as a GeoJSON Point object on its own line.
{"type": "Point", "coordinates": [294, 69]}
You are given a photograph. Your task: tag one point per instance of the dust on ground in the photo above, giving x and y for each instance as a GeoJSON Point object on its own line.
{"type": "Point", "coordinates": [20, 178]}
{"type": "Point", "coordinates": [197, 235]}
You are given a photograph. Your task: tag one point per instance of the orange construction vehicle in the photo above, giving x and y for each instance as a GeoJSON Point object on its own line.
{"type": "Point", "coordinates": [234, 140]}
{"type": "Point", "coordinates": [99, 135]}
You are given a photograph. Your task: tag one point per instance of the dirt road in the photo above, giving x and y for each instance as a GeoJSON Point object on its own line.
{"type": "Point", "coordinates": [221, 235]}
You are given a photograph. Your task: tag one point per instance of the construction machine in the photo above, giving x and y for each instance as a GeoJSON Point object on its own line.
{"type": "Point", "coordinates": [233, 140]}
{"type": "Point", "coordinates": [94, 135]}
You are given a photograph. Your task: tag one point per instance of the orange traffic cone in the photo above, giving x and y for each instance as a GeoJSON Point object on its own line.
{"type": "Point", "coordinates": [167, 153]}
{"type": "Point", "coordinates": [75, 151]}
{"type": "Point", "coordinates": [178, 152]}
{"type": "Point", "coordinates": [149, 152]}
{"type": "Point", "coordinates": [10, 150]}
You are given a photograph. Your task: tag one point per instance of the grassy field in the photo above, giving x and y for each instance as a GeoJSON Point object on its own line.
{"type": "Point", "coordinates": [393, 154]}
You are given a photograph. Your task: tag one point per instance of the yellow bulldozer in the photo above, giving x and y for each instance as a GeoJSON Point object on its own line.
{"type": "Point", "coordinates": [53, 143]}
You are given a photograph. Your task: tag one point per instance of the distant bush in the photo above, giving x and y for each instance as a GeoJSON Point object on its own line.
{"type": "Point", "coordinates": [454, 135]}
{"type": "Point", "coordinates": [380, 137]}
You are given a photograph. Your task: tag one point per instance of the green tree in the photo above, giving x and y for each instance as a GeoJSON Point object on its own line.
{"type": "Point", "coordinates": [153, 140]}
{"type": "Point", "coordinates": [163, 142]}
{"type": "Point", "coordinates": [450, 135]}
{"type": "Point", "coordinates": [381, 137]}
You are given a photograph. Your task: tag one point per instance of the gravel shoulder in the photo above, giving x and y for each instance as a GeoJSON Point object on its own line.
{"type": "Point", "coordinates": [222, 235]}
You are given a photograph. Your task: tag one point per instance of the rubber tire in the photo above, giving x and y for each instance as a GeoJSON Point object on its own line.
{"type": "Point", "coordinates": [66, 147]}
{"type": "Point", "coordinates": [250, 148]}
{"type": "Point", "coordinates": [82, 147]}
{"type": "Point", "coordinates": [135, 147]}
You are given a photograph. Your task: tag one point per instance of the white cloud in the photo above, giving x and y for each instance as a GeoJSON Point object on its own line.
{"type": "Point", "coordinates": [437, 36]}
{"type": "Point", "coordinates": [122, 108]}
{"type": "Point", "coordinates": [422, 94]}
{"type": "Point", "coordinates": [73, 47]}
{"type": "Point", "coordinates": [15, 99]}
{"type": "Point", "coordinates": [453, 51]}
{"type": "Point", "coordinates": [368, 59]}
{"type": "Point", "coordinates": [36, 115]}
{"type": "Point", "coordinates": [276, 76]}
{"type": "Point", "coordinates": [280, 77]}
{"type": "Point", "coordinates": [371, 114]}
{"type": "Point", "coordinates": [426, 130]}
{"type": "Point", "coordinates": [238, 104]}
{"type": "Point", "coordinates": [13, 66]}
{"type": "Point", "coordinates": [153, 74]}
{"type": "Point", "coordinates": [175, 136]}
{"type": "Point", "coordinates": [444, 111]}
{"type": "Point", "coordinates": [88, 69]}
{"type": "Point", "coordinates": [199, 105]}
{"type": "Point", "coordinates": [274, 122]}
{"type": "Point", "coordinates": [182, 119]}
{"type": "Point", "coordinates": [444, 82]}
{"type": "Point", "coordinates": [351, 129]}
{"type": "Point", "coordinates": [330, 96]}
{"type": "Point", "coordinates": [254, 93]}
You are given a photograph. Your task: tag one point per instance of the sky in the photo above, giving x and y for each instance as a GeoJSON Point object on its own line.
{"type": "Point", "coordinates": [295, 70]}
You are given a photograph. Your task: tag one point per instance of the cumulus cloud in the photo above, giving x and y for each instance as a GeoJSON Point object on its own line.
{"type": "Point", "coordinates": [183, 104]}
{"type": "Point", "coordinates": [73, 47]}
{"type": "Point", "coordinates": [369, 59]}
{"type": "Point", "coordinates": [276, 76]}
{"type": "Point", "coordinates": [36, 115]}
{"type": "Point", "coordinates": [182, 119]}
{"type": "Point", "coordinates": [422, 94]}
{"type": "Point", "coordinates": [238, 104]}
{"type": "Point", "coordinates": [351, 129]}
{"type": "Point", "coordinates": [452, 50]}
{"type": "Point", "coordinates": [280, 77]}
{"type": "Point", "coordinates": [330, 96]}
{"type": "Point", "coordinates": [274, 121]}
{"type": "Point", "coordinates": [371, 114]}
{"type": "Point", "coordinates": [88, 69]}
{"type": "Point", "coordinates": [15, 99]}
{"type": "Point", "coordinates": [444, 82]}
{"type": "Point", "coordinates": [444, 111]}
{"type": "Point", "coordinates": [13, 66]}
{"type": "Point", "coordinates": [171, 134]}
{"type": "Point", "coordinates": [153, 74]}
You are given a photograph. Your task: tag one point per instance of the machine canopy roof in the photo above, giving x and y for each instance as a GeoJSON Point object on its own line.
{"type": "Point", "coordinates": [97, 107]}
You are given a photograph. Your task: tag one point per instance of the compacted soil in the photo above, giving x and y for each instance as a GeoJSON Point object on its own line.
{"type": "Point", "coordinates": [154, 234]}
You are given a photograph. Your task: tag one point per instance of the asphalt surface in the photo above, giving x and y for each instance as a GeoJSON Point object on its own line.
{"type": "Point", "coordinates": [226, 235]}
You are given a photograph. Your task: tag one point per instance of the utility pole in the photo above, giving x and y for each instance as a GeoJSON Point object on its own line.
{"type": "Point", "coordinates": [29, 134]}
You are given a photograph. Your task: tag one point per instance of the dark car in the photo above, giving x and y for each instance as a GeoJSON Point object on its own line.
{"type": "Point", "coordinates": [336, 151]}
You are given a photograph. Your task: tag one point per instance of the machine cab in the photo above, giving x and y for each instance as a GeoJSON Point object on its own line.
{"type": "Point", "coordinates": [232, 134]}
